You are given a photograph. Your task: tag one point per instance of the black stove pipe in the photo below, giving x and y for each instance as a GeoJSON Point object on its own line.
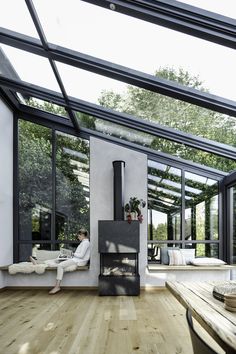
{"type": "Point", "coordinates": [118, 187]}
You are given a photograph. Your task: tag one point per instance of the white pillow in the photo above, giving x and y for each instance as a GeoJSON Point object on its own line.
{"type": "Point", "coordinates": [189, 254]}
{"type": "Point", "coordinates": [176, 258]}
{"type": "Point", "coordinates": [207, 261]}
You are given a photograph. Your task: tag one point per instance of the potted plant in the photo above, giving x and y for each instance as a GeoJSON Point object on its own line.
{"type": "Point", "coordinates": [133, 209]}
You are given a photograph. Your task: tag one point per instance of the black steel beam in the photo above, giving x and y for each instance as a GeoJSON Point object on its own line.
{"type": "Point", "coordinates": [119, 72]}
{"type": "Point", "coordinates": [123, 119]}
{"type": "Point", "coordinates": [178, 16]}
{"type": "Point", "coordinates": [9, 98]}
{"type": "Point", "coordinates": [45, 118]}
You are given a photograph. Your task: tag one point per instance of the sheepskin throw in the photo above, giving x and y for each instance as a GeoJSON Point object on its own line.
{"type": "Point", "coordinates": [27, 267]}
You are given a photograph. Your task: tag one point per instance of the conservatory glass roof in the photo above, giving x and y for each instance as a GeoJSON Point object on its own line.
{"type": "Point", "coordinates": [156, 76]}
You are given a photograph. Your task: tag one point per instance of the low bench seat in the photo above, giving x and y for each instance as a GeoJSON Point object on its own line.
{"type": "Point", "coordinates": [163, 267]}
{"type": "Point", "coordinates": [158, 274]}
{"type": "Point", "coordinates": [86, 267]}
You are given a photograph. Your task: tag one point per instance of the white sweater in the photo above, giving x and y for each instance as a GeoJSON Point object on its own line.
{"type": "Point", "coordinates": [82, 253]}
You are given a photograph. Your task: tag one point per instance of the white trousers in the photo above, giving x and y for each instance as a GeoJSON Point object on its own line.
{"type": "Point", "coordinates": [61, 266]}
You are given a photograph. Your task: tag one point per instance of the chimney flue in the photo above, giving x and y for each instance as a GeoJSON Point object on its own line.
{"type": "Point", "coordinates": [118, 186]}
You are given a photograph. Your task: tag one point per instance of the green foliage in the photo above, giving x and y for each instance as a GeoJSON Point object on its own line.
{"type": "Point", "coordinates": [179, 115]}
{"type": "Point", "coordinates": [135, 205]}
{"type": "Point", "coordinates": [36, 184]}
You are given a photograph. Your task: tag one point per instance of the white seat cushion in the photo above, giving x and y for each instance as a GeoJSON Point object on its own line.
{"type": "Point", "coordinates": [207, 261]}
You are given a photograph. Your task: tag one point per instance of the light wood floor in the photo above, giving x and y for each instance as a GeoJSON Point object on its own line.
{"type": "Point", "coordinates": [80, 322]}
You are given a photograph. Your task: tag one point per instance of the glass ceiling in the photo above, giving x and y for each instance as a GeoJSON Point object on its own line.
{"type": "Point", "coordinates": [225, 8]}
{"type": "Point", "coordinates": [153, 47]}
{"type": "Point", "coordinates": [146, 63]}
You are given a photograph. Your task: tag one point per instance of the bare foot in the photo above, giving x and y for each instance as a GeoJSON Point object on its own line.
{"type": "Point", "coordinates": [32, 260]}
{"type": "Point", "coordinates": [55, 290]}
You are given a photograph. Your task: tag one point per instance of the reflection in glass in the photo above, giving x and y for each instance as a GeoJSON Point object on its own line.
{"type": "Point", "coordinates": [43, 105]}
{"type": "Point", "coordinates": [214, 218]}
{"type": "Point", "coordinates": [155, 143]}
{"type": "Point", "coordinates": [201, 201]}
{"type": "Point", "coordinates": [165, 210]}
{"type": "Point", "coordinates": [206, 249]}
{"type": "Point", "coordinates": [35, 181]}
{"type": "Point", "coordinates": [200, 221]}
{"type": "Point", "coordinates": [72, 186]}
{"type": "Point", "coordinates": [42, 252]}
{"type": "Point", "coordinates": [40, 220]}
{"type": "Point", "coordinates": [164, 199]}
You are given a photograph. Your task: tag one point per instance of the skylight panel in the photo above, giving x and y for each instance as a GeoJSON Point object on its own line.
{"type": "Point", "coordinates": [137, 44]}
{"type": "Point", "coordinates": [14, 15]}
{"type": "Point", "coordinates": [30, 68]}
{"type": "Point", "coordinates": [225, 8]}
{"type": "Point", "coordinates": [86, 85]}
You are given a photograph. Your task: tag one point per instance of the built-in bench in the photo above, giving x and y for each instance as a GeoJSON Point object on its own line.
{"type": "Point", "coordinates": [158, 274]}
{"type": "Point", "coordinates": [73, 279]}
{"type": "Point", "coordinates": [86, 267]}
{"type": "Point", "coordinates": [169, 268]}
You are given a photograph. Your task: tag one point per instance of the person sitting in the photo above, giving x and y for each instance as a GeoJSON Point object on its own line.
{"type": "Point", "coordinates": [80, 258]}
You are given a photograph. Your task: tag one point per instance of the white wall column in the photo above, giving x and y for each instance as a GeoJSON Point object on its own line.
{"type": "Point", "coordinates": [101, 193]}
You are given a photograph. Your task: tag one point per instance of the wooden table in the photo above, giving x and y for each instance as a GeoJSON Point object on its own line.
{"type": "Point", "coordinates": [208, 311]}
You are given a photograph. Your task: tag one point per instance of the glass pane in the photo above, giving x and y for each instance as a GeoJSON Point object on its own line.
{"type": "Point", "coordinates": [14, 15]}
{"type": "Point", "coordinates": [28, 67]}
{"type": "Point", "coordinates": [164, 201]}
{"type": "Point", "coordinates": [205, 249]}
{"type": "Point", "coordinates": [175, 50]}
{"type": "Point", "coordinates": [232, 223]}
{"type": "Point", "coordinates": [42, 105]}
{"type": "Point", "coordinates": [72, 186]}
{"type": "Point", "coordinates": [201, 208]}
{"type": "Point", "coordinates": [200, 221]}
{"type": "Point", "coordinates": [74, 80]}
{"type": "Point", "coordinates": [35, 181]}
{"type": "Point", "coordinates": [155, 143]}
{"type": "Point", "coordinates": [225, 8]}
{"type": "Point", "coordinates": [42, 252]}
{"type": "Point", "coordinates": [160, 109]}
{"type": "Point", "coordinates": [214, 218]}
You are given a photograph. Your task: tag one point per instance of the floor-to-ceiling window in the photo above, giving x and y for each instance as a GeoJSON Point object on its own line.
{"type": "Point", "coordinates": [53, 188]}
{"type": "Point", "coordinates": [183, 211]}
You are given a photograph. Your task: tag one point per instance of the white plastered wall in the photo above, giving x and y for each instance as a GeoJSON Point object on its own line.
{"type": "Point", "coordinates": [101, 192]}
{"type": "Point", "coordinates": [6, 187]}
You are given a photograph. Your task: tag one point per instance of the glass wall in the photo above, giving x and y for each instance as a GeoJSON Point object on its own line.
{"type": "Point", "coordinates": [53, 184]}
{"type": "Point", "coordinates": [72, 186]}
{"type": "Point", "coordinates": [183, 211]}
{"type": "Point", "coordinates": [231, 195]}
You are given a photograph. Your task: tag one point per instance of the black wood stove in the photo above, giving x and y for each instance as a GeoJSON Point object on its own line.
{"type": "Point", "coordinates": [118, 245]}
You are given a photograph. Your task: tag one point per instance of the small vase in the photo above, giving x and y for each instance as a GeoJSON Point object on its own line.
{"type": "Point", "coordinates": [134, 215]}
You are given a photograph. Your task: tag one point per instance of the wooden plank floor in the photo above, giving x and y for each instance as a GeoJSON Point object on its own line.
{"type": "Point", "coordinates": [80, 322]}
